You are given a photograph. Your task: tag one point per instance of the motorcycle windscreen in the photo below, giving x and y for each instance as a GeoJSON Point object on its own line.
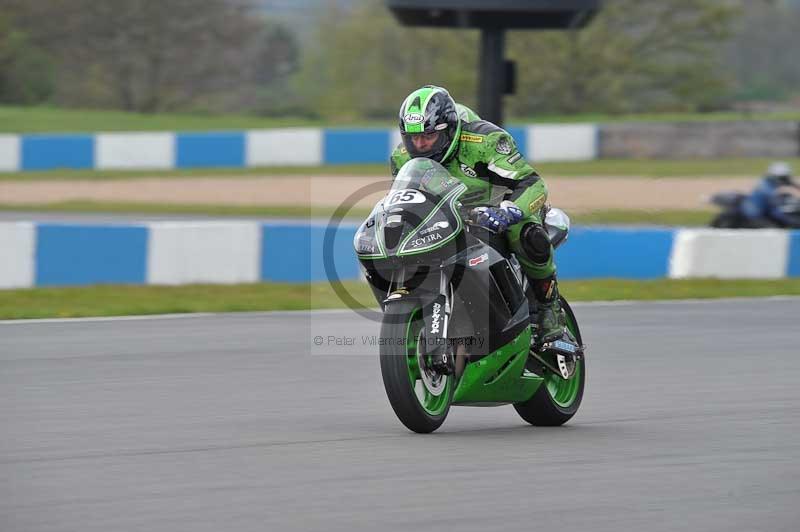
{"type": "Point", "coordinates": [418, 214]}
{"type": "Point", "coordinates": [425, 175]}
{"type": "Point", "coordinates": [442, 224]}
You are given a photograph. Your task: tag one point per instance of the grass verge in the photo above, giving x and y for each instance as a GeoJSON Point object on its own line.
{"type": "Point", "coordinates": [38, 119]}
{"type": "Point", "coordinates": [718, 168]}
{"type": "Point", "coordinates": [141, 300]}
{"type": "Point", "coordinates": [625, 289]}
{"type": "Point", "coordinates": [677, 217]}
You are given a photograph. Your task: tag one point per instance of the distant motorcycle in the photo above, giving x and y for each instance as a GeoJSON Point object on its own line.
{"type": "Point", "coordinates": [766, 206]}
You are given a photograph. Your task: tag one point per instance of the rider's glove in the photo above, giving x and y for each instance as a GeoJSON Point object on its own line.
{"type": "Point", "coordinates": [497, 219]}
{"type": "Point", "coordinates": [514, 213]}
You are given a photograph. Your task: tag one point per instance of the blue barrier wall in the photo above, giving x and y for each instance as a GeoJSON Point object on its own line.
{"type": "Point", "coordinates": [85, 254]}
{"type": "Point", "coordinates": [355, 146]}
{"type": "Point", "coordinates": [793, 268]}
{"type": "Point", "coordinates": [197, 150]}
{"type": "Point", "coordinates": [294, 253]}
{"type": "Point", "coordinates": [607, 252]}
{"type": "Point", "coordinates": [44, 152]}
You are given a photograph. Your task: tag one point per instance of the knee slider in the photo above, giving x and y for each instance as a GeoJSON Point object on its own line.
{"type": "Point", "coordinates": [535, 243]}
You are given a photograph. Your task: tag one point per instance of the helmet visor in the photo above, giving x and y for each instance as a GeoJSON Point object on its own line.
{"type": "Point", "coordinates": [432, 144]}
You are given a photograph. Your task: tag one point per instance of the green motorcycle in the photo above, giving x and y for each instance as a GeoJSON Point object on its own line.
{"type": "Point", "coordinates": [458, 313]}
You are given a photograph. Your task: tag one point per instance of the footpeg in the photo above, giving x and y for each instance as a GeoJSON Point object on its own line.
{"type": "Point", "coordinates": [565, 352]}
{"type": "Point", "coordinates": [562, 347]}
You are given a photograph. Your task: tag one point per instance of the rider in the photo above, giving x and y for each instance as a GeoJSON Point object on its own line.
{"type": "Point", "coordinates": [763, 203]}
{"type": "Point", "coordinates": [481, 155]}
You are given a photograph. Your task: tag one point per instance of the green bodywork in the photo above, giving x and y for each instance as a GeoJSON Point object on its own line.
{"type": "Point", "coordinates": [496, 379]}
{"type": "Point", "coordinates": [485, 148]}
{"type": "Point", "coordinates": [499, 377]}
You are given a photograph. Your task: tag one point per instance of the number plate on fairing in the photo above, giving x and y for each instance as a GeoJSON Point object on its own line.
{"type": "Point", "coordinates": [406, 195]}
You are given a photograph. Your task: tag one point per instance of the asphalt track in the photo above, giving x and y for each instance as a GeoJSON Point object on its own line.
{"type": "Point", "coordinates": [240, 423]}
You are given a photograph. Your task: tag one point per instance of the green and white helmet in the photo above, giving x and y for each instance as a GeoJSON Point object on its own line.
{"type": "Point", "coordinates": [428, 111]}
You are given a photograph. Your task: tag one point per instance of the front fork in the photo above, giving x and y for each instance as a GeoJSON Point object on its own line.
{"type": "Point", "coordinates": [436, 315]}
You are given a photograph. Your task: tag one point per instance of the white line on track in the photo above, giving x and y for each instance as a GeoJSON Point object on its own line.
{"type": "Point", "coordinates": [577, 304]}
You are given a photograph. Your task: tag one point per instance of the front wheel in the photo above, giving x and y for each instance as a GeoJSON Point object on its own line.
{"type": "Point", "coordinates": [557, 400]}
{"type": "Point", "coordinates": [420, 397]}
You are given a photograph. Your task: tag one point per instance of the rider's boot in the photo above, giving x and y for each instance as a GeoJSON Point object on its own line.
{"type": "Point", "coordinates": [551, 321]}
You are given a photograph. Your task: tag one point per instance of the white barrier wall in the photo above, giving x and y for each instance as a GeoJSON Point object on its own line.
{"type": "Point", "coordinates": [730, 254]}
{"type": "Point", "coordinates": [17, 254]}
{"type": "Point", "coordinates": [135, 150]}
{"type": "Point", "coordinates": [561, 142]}
{"type": "Point", "coordinates": [204, 252]}
{"type": "Point", "coordinates": [9, 153]}
{"type": "Point", "coordinates": [290, 146]}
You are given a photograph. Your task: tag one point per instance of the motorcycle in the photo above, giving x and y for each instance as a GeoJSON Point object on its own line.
{"type": "Point", "coordinates": [458, 322]}
{"type": "Point", "coordinates": [766, 206]}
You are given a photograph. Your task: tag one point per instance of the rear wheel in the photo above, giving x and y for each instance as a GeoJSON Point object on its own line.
{"type": "Point", "coordinates": [557, 399]}
{"type": "Point", "coordinates": [726, 221]}
{"type": "Point", "coordinates": [420, 397]}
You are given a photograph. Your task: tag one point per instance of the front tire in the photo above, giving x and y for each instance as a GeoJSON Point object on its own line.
{"type": "Point", "coordinates": [557, 400]}
{"type": "Point", "coordinates": [404, 377]}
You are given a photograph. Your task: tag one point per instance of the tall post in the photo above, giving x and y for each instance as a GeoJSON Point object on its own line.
{"type": "Point", "coordinates": [491, 75]}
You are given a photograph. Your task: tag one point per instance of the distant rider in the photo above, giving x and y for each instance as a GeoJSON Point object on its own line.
{"type": "Point", "coordinates": [762, 206]}
{"type": "Point", "coordinates": [481, 154]}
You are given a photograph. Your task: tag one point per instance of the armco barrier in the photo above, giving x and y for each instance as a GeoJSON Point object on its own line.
{"type": "Point", "coordinates": [49, 254]}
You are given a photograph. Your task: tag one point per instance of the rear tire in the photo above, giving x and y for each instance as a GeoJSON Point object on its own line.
{"type": "Point", "coordinates": [557, 400]}
{"type": "Point", "coordinates": [417, 408]}
{"type": "Point", "coordinates": [726, 221]}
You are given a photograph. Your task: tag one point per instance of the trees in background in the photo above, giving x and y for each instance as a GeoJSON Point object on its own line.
{"type": "Point", "coordinates": [364, 63]}
{"type": "Point", "coordinates": [26, 71]}
{"type": "Point", "coordinates": [227, 55]}
{"type": "Point", "coordinates": [156, 55]}
{"type": "Point", "coordinates": [762, 57]}
{"type": "Point", "coordinates": [634, 56]}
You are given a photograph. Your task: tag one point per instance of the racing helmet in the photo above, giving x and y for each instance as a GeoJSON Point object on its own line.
{"type": "Point", "coordinates": [780, 172]}
{"type": "Point", "coordinates": [429, 124]}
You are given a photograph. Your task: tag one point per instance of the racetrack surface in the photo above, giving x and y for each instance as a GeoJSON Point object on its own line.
{"type": "Point", "coordinates": [239, 422]}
